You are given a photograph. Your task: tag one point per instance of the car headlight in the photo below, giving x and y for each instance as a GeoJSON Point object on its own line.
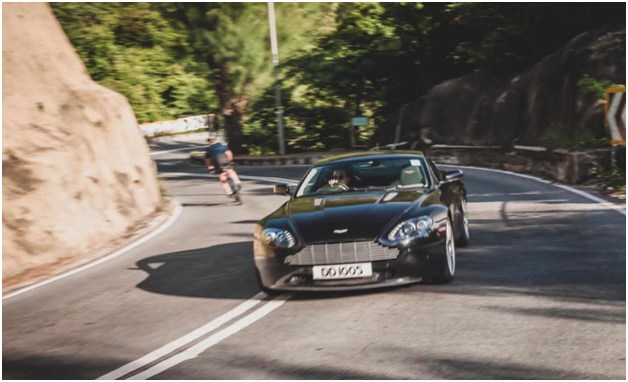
{"type": "Point", "coordinates": [411, 228]}
{"type": "Point", "coordinates": [278, 238]}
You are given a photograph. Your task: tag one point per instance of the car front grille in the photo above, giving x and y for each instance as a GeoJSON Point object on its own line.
{"type": "Point", "coordinates": [342, 253]}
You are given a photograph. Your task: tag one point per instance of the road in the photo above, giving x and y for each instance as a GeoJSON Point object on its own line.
{"type": "Point", "coordinates": [539, 293]}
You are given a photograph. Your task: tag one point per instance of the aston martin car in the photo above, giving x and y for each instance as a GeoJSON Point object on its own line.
{"type": "Point", "coordinates": [364, 220]}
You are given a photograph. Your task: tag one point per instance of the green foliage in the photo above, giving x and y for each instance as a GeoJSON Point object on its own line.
{"type": "Point", "coordinates": [511, 36]}
{"type": "Point", "coordinates": [337, 60]}
{"type": "Point", "coordinates": [586, 140]}
{"type": "Point", "coordinates": [309, 124]}
{"type": "Point", "coordinates": [557, 136]}
{"type": "Point", "coordinates": [132, 49]}
{"type": "Point", "coordinates": [232, 40]}
{"type": "Point", "coordinates": [552, 138]}
{"type": "Point", "coordinates": [588, 85]}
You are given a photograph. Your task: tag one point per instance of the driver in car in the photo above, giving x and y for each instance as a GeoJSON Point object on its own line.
{"type": "Point", "coordinates": [339, 179]}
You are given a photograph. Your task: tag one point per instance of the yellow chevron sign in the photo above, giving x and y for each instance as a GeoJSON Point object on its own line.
{"type": "Point", "coordinates": [615, 112]}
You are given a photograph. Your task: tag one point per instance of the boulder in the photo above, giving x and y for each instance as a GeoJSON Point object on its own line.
{"type": "Point", "coordinates": [76, 171]}
{"type": "Point", "coordinates": [484, 108]}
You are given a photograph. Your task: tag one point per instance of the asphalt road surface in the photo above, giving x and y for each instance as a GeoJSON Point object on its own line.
{"type": "Point", "coordinates": [539, 293]}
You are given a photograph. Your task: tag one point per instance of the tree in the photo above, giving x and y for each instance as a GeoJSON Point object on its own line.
{"type": "Point", "coordinates": [131, 48]}
{"type": "Point", "coordinates": [233, 40]}
{"type": "Point", "coordinates": [508, 37]}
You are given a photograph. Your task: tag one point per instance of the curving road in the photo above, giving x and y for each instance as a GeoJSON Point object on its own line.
{"type": "Point", "coordinates": [539, 294]}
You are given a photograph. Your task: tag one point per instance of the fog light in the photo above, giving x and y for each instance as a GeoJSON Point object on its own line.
{"type": "Point", "coordinates": [296, 280]}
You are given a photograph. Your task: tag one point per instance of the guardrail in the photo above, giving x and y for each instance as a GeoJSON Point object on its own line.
{"type": "Point", "coordinates": [562, 165]}
{"type": "Point", "coordinates": [180, 125]}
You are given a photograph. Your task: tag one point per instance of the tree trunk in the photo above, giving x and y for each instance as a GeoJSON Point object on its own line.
{"type": "Point", "coordinates": [233, 115]}
{"type": "Point", "coordinates": [232, 109]}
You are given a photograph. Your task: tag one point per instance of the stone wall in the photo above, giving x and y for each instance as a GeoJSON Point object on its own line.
{"type": "Point", "coordinates": [560, 165]}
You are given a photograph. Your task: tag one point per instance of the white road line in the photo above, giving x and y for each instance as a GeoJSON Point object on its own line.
{"type": "Point", "coordinates": [593, 197]}
{"type": "Point", "coordinates": [117, 253]}
{"type": "Point", "coordinates": [584, 194]}
{"type": "Point", "coordinates": [212, 340]}
{"type": "Point", "coordinates": [186, 339]}
{"type": "Point", "coordinates": [179, 149]}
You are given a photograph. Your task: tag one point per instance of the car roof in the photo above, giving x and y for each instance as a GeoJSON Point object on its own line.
{"type": "Point", "coordinates": [369, 155]}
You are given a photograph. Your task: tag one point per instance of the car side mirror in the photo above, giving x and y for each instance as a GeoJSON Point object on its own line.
{"type": "Point", "coordinates": [281, 189]}
{"type": "Point", "coordinates": [451, 175]}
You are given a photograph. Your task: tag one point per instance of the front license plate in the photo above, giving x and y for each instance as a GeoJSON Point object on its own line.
{"type": "Point", "coordinates": [341, 271]}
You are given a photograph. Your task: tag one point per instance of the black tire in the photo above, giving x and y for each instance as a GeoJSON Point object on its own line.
{"type": "Point", "coordinates": [269, 292]}
{"type": "Point", "coordinates": [443, 267]}
{"type": "Point", "coordinates": [463, 227]}
{"type": "Point", "coordinates": [237, 197]}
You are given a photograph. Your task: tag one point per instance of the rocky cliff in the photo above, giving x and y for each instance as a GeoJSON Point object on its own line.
{"type": "Point", "coordinates": [76, 172]}
{"type": "Point", "coordinates": [488, 108]}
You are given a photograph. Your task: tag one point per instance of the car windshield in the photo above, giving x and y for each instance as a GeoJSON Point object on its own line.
{"type": "Point", "coordinates": [361, 175]}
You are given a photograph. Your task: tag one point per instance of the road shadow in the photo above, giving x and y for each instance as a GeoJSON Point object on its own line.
{"type": "Point", "coordinates": [202, 204]}
{"type": "Point", "coordinates": [245, 222]}
{"type": "Point", "coordinates": [224, 271]}
{"type": "Point", "coordinates": [548, 256]}
{"type": "Point", "coordinates": [220, 271]}
{"type": "Point", "coordinates": [380, 362]}
{"type": "Point", "coordinates": [543, 252]}
{"type": "Point", "coordinates": [542, 257]}
{"type": "Point", "coordinates": [43, 367]}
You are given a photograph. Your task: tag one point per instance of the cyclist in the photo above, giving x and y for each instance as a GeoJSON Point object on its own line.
{"type": "Point", "coordinates": [219, 159]}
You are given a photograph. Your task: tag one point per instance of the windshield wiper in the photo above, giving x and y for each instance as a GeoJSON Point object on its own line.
{"type": "Point", "coordinates": [369, 188]}
{"type": "Point", "coordinates": [417, 185]}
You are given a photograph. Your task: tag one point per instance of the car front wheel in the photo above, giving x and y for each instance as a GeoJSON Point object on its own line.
{"type": "Point", "coordinates": [443, 267]}
{"type": "Point", "coordinates": [463, 238]}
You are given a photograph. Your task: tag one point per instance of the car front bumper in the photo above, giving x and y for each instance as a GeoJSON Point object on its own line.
{"type": "Point", "coordinates": [411, 266]}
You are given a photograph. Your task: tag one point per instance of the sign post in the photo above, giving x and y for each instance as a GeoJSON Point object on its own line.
{"type": "Point", "coordinates": [356, 122]}
{"type": "Point", "coordinates": [615, 112]}
{"type": "Point", "coordinates": [275, 55]}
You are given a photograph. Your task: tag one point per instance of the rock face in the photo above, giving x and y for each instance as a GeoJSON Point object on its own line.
{"type": "Point", "coordinates": [75, 169]}
{"type": "Point", "coordinates": [484, 108]}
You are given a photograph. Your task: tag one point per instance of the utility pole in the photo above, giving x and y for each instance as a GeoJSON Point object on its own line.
{"type": "Point", "coordinates": [275, 54]}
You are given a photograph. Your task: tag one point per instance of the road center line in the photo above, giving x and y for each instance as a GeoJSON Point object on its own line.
{"type": "Point", "coordinates": [212, 340]}
{"type": "Point", "coordinates": [186, 339]}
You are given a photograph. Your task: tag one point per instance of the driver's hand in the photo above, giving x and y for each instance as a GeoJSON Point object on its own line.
{"type": "Point", "coordinates": [332, 181]}
{"type": "Point", "coordinates": [210, 168]}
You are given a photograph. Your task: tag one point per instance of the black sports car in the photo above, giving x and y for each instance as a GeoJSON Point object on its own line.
{"type": "Point", "coordinates": [364, 220]}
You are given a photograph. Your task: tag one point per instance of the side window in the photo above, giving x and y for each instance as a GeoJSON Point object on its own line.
{"type": "Point", "coordinates": [435, 170]}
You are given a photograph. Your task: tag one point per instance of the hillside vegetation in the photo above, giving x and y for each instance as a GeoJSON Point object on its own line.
{"type": "Point", "coordinates": [338, 60]}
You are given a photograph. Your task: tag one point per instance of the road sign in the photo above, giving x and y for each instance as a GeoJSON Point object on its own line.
{"type": "Point", "coordinates": [616, 114]}
{"type": "Point", "coordinates": [359, 121]}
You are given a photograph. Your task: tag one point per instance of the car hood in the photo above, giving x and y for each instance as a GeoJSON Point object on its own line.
{"type": "Point", "coordinates": [350, 216]}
